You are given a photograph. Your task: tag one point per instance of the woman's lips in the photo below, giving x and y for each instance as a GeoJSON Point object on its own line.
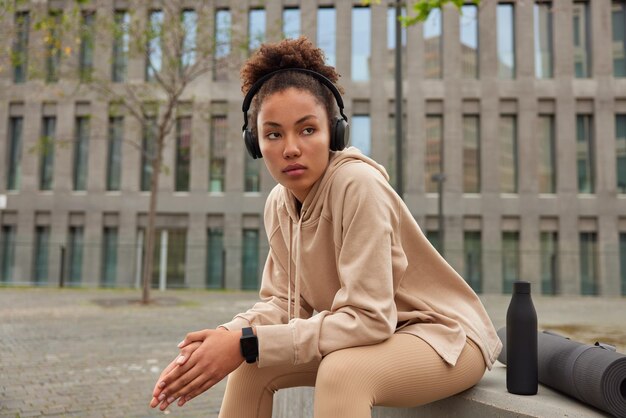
{"type": "Point", "coordinates": [294, 170]}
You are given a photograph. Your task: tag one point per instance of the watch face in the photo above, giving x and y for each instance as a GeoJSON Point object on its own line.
{"type": "Point", "coordinates": [249, 346]}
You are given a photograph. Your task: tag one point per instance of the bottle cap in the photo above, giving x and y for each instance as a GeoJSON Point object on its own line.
{"type": "Point", "coordinates": [520, 286]}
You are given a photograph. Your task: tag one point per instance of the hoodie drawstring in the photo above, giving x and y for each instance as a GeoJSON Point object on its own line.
{"type": "Point", "coordinates": [296, 313]}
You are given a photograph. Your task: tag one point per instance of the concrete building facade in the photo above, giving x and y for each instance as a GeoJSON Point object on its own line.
{"type": "Point", "coordinates": [529, 138]}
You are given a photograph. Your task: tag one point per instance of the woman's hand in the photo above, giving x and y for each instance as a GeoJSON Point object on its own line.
{"type": "Point", "coordinates": [206, 358]}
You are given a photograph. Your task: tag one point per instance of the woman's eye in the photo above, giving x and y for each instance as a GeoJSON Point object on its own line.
{"type": "Point", "coordinates": [308, 131]}
{"type": "Point", "coordinates": [272, 135]}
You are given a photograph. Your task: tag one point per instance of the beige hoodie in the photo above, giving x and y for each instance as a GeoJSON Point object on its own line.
{"type": "Point", "coordinates": [361, 269]}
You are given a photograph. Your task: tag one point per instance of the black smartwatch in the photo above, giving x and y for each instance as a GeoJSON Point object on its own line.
{"type": "Point", "coordinates": [249, 345]}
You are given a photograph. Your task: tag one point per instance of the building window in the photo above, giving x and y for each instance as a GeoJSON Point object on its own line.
{"type": "Point", "coordinates": [392, 145]}
{"type": "Point", "coordinates": [114, 152]}
{"type": "Point", "coordinates": [53, 46]}
{"type": "Point", "coordinates": [434, 151]}
{"type": "Point", "coordinates": [361, 43]}
{"type": "Point", "coordinates": [46, 152]}
{"type": "Point", "coordinates": [620, 152]}
{"type": "Point", "coordinates": [189, 21]}
{"type": "Point", "coordinates": [584, 154]}
{"type": "Point", "coordinates": [361, 133]}
{"type": "Point", "coordinates": [19, 56]}
{"type": "Point", "coordinates": [251, 174]}
{"type": "Point", "coordinates": [549, 262]}
{"type": "Point", "coordinates": [469, 40]}
{"type": "Point", "coordinates": [327, 33]}
{"type": "Point", "coordinates": [391, 42]}
{"type": "Point", "coordinates": [472, 249]}
{"type": "Point", "coordinates": [7, 253]}
{"type": "Point", "coordinates": [588, 263]}
{"type": "Point", "coordinates": [508, 154]}
{"type": "Point", "coordinates": [14, 153]}
{"type": "Point", "coordinates": [619, 38]}
{"type": "Point", "coordinates": [582, 39]}
{"type": "Point", "coordinates": [506, 40]}
{"type": "Point", "coordinates": [291, 22]}
{"type": "Point", "coordinates": [81, 153]}
{"type": "Point", "coordinates": [510, 260]}
{"type": "Point", "coordinates": [471, 154]}
{"type": "Point", "coordinates": [42, 250]}
{"type": "Point", "coordinates": [154, 53]}
{"type": "Point", "coordinates": [217, 165]}
{"type": "Point", "coordinates": [543, 39]}
{"type": "Point", "coordinates": [222, 44]}
{"type": "Point", "coordinates": [87, 36]}
{"type": "Point", "coordinates": [622, 257]}
{"type": "Point", "coordinates": [148, 150]}
{"type": "Point", "coordinates": [547, 154]}
{"type": "Point", "coordinates": [183, 153]}
{"type": "Point", "coordinates": [215, 259]}
{"type": "Point", "coordinates": [433, 44]}
{"type": "Point", "coordinates": [250, 259]}
{"type": "Point", "coordinates": [109, 257]}
{"type": "Point", "coordinates": [434, 237]}
{"type": "Point", "coordinates": [256, 29]}
{"type": "Point", "coordinates": [170, 251]}
{"type": "Point", "coordinates": [120, 46]}
{"type": "Point", "coordinates": [75, 255]}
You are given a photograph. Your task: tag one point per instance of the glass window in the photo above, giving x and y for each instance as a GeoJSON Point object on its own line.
{"type": "Point", "coordinates": [434, 149]}
{"type": "Point", "coordinates": [619, 38]}
{"type": "Point", "coordinates": [183, 153]}
{"type": "Point", "coordinates": [14, 153]}
{"type": "Point", "coordinates": [549, 262]}
{"type": "Point", "coordinates": [543, 39]}
{"type": "Point", "coordinates": [469, 40]}
{"type": "Point", "coordinates": [7, 253]}
{"type": "Point", "coordinates": [256, 29]}
{"type": "Point", "coordinates": [361, 43]}
{"type": "Point", "coordinates": [472, 249]}
{"type": "Point", "coordinates": [81, 153]}
{"type": "Point", "coordinates": [433, 44]}
{"type": "Point", "coordinates": [222, 44]}
{"type": "Point", "coordinates": [620, 152]}
{"type": "Point", "coordinates": [120, 46]}
{"type": "Point", "coordinates": [53, 46]}
{"type": "Point", "coordinates": [252, 174]}
{"type": "Point", "coordinates": [154, 53]}
{"type": "Point", "coordinates": [109, 257]}
{"type": "Point", "coordinates": [46, 152]}
{"type": "Point", "coordinates": [622, 257]}
{"type": "Point", "coordinates": [547, 154]}
{"type": "Point", "coordinates": [75, 255]}
{"type": "Point", "coordinates": [506, 40]}
{"type": "Point", "coordinates": [584, 154]}
{"type": "Point", "coordinates": [217, 167]}
{"type": "Point", "coordinates": [582, 39]}
{"type": "Point", "coordinates": [291, 22]}
{"type": "Point", "coordinates": [508, 154]}
{"type": "Point", "coordinates": [588, 263]}
{"type": "Point", "coordinates": [19, 57]}
{"type": "Point", "coordinates": [148, 150]}
{"type": "Point", "coordinates": [87, 37]}
{"type": "Point", "coordinates": [189, 21]}
{"type": "Point", "coordinates": [392, 166]}
{"type": "Point", "coordinates": [391, 41]}
{"type": "Point", "coordinates": [170, 251]}
{"type": "Point", "coordinates": [361, 133]}
{"type": "Point", "coordinates": [215, 259]}
{"type": "Point", "coordinates": [327, 33]}
{"type": "Point", "coordinates": [42, 249]}
{"type": "Point", "coordinates": [433, 236]}
{"type": "Point", "coordinates": [471, 154]}
{"type": "Point", "coordinates": [510, 260]}
{"type": "Point", "coordinates": [250, 259]}
{"type": "Point", "coordinates": [114, 152]}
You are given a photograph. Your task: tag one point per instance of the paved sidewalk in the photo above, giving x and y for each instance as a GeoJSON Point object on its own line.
{"type": "Point", "coordinates": [89, 353]}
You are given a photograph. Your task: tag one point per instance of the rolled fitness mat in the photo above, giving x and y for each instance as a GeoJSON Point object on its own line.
{"type": "Point", "coordinates": [594, 374]}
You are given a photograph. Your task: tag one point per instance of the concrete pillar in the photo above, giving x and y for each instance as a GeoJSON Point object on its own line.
{"type": "Point", "coordinates": [530, 253]}
{"type": "Point", "coordinates": [492, 253]}
{"type": "Point", "coordinates": [569, 263]}
{"type": "Point", "coordinates": [233, 244]}
{"type": "Point", "coordinates": [58, 240]}
{"type": "Point", "coordinates": [24, 240]}
{"type": "Point", "coordinates": [64, 150]}
{"type": "Point", "coordinates": [200, 156]}
{"type": "Point", "coordinates": [609, 283]}
{"type": "Point", "coordinates": [31, 155]}
{"type": "Point", "coordinates": [308, 19]}
{"type": "Point", "coordinates": [195, 270]}
{"type": "Point", "coordinates": [131, 156]}
{"type": "Point", "coordinates": [126, 248]}
{"type": "Point", "coordinates": [93, 249]}
{"type": "Point", "coordinates": [343, 44]}
{"type": "Point", "coordinates": [4, 133]}
{"type": "Point", "coordinates": [235, 150]}
{"type": "Point", "coordinates": [98, 148]}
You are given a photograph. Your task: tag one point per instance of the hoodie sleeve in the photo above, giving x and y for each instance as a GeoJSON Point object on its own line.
{"type": "Point", "coordinates": [363, 310]}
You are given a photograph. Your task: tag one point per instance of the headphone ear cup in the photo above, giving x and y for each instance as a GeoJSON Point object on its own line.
{"type": "Point", "coordinates": [252, 145]}
{"type": "Point", "coordinates": [340, 135]}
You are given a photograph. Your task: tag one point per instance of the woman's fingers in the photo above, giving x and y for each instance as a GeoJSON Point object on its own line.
{"type": "Point", "coordinates": [193, 336]}
{"type": "Point", "coordinates": [195, 392]}
{"type": "Point", "coordinates": [158, 386]}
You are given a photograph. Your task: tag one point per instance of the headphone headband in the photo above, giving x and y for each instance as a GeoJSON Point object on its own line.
{"type": "Point", "coordinates": [247, 101]}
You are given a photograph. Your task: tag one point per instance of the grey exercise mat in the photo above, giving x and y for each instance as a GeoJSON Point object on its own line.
{"type": "Point", "coordinates": [594, 374]}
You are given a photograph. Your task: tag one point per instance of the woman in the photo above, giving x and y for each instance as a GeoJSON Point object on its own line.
{"type": "Point", "coordinates": [354, 299]}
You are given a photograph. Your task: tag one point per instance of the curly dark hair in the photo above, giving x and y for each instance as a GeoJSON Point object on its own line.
{"type": "Point", "coordinates": [288, 53]}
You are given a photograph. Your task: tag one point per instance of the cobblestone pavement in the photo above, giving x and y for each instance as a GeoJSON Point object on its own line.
{"type": "Point", "coordinates": [92, 353]}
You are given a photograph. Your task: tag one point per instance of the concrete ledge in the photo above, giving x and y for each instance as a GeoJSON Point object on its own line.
{"type": "Point", "coordinates": [487, 399]}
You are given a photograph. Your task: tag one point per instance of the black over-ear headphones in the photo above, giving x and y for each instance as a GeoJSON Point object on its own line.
{"type": "Point", "coordinates": [339, 132]}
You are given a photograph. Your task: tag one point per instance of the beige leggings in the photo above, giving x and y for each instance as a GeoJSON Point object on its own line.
{"type": "Point", "coordinates": [403, 371]}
